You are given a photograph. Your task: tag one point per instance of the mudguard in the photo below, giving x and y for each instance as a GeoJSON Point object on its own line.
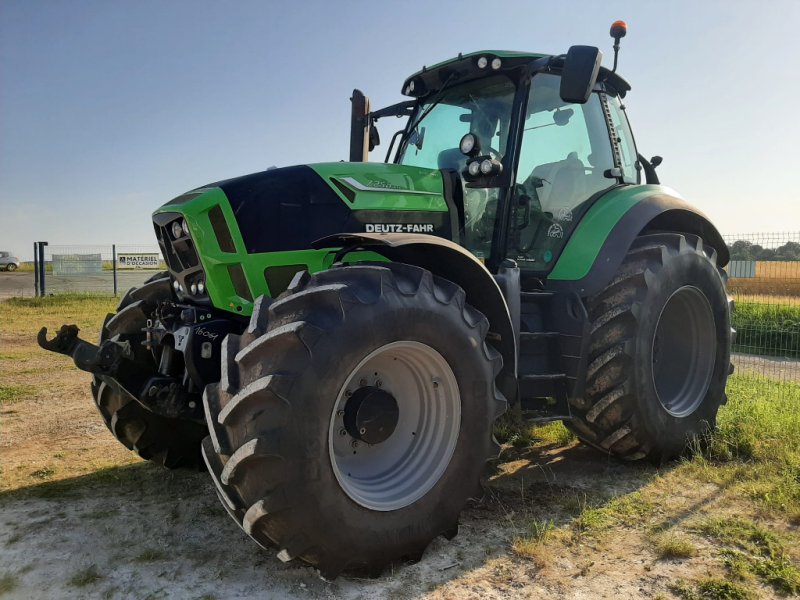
{"type": "Point", "coordinates": [601, 240]}
{"type": "Point", "coordinates": [451, 261]}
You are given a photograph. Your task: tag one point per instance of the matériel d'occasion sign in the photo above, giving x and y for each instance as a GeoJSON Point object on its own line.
{"type": "Point", "coordinates": [143, 260]}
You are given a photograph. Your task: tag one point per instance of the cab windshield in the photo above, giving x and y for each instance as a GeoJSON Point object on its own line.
{"type": "Point", "coordinates": [482, 106]}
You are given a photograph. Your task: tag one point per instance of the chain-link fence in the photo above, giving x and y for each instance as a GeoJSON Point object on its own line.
{"type": "Point", "coordinates": [764, 280]}
{"type": "Point", "coordinates": [83, 269]}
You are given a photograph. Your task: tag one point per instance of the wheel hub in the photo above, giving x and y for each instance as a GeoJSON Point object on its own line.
{"type": "Point", "coordinates": [385, 458]}
{"type": "Point", "coordinates": [371, 415]}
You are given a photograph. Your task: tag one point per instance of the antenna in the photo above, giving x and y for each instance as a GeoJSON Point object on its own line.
{"type": "Point", "coordinates": [618, 31]}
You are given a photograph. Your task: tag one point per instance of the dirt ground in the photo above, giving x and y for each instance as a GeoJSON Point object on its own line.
{"type": "Point", "coordinates": [81, 517]}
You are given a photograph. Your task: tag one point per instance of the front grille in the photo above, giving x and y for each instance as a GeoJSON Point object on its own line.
{"type": "Point", "coordinates": [181, 257]}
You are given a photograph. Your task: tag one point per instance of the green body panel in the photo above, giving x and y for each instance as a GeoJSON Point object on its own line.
{"type": "Point", "coordinates": [380, 186]}
{"type": "Point", "coordinates": [591, 233]}
{"type": "Point", "coordinates": [195, 207]}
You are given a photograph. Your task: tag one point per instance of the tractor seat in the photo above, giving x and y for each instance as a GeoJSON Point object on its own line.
{"type": "Point", "coordinates": [565, 184]}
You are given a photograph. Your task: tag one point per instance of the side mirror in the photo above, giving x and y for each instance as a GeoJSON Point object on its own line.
{"type": "Point", "coordinates": [579, 73]}
{"type": "Point", "coordinates": [656, 160]}
{"type": "Point", "coordinates": [374, 137]}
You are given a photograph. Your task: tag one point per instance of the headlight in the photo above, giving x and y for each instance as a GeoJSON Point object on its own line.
{"type": "Point", "coordinates": [185, 227]}
{"type": "Point", "coordinates": [474, 168]}
{"type": "Point", "coordinates": [176, 285]}
{"type": "Point", "coordinates": [177, 230]}
{"type": "Point", "coordinates": [193, 289]}
{"type": "Point", "coordinates": [201, 286]}
{"type": "Point", "coordinates": [487, 166]}
{"type": "Point", "coordinates": [468, 144]}
{"type": "Point", "coordinates": [497, 63]}
{"type": "Point", "coordinates": [482, 62]}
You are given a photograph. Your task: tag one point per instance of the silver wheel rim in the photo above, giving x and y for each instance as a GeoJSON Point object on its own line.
{"type": "Point", "coordinates": [404, 467]}
{"type": "Point", "coordinates": [684, 351]}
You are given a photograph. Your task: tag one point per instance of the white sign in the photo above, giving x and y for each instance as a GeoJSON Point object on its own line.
{"type": "Point", "coordinates": [138, 261]}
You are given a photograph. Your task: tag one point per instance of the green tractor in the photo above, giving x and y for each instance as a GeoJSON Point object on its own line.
{"type": "Point", "coordinates": [336, 341]}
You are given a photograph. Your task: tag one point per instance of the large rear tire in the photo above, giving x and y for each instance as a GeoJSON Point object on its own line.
{"type": "Point", "coordinates": [354, 416]}
{"type": "Point", "coordinates": [659, 354]}
{"type": "Point", "coordinates": [172, 443]}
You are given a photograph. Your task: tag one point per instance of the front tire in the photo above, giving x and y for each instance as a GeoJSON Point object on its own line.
{"type": "Point", "coordinates": [659, 353]}
{"type": "Point", "coordinates": [172, 443]}
{"type": "Point", "coordinates": [390, 345]}
{"type": "Point", "coordinates": [11, 267]}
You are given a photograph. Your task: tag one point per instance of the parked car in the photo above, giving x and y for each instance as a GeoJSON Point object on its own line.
{"type": "Point", "coordinates": [8, 262]}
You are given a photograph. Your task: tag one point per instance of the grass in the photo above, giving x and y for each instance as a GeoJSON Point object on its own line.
{"type": "Point", "coordinates": [27, 315]}
{"type": "Point", "coordinates": [767, 329]}
{"type": "Point", "coordinates": [85, 577]}
{"type": "Point", "coordinates": [150, 555]}
{"type": "Point", "coordinates": [711, 589]}
{"type": "Point", "coordinates": [530, 544]}
{"type": "Point", "coordinates": [9, 394]}
{"type": "Point", "coordinates": [8, 583]}
{"type": "Point", "coordinates": [749, 548]}
{"type": "Point", "coordinates": [671, 545]}
{"type": "Point", "coordinates": [759, 434]}
{"type": "Point", "coordinates": [751, 463]}
{"type": "Point", "coordinates": [513, 430]}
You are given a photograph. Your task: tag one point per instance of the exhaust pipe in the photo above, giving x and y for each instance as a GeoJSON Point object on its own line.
{"type": "Point", "coordinates": [359, 127]}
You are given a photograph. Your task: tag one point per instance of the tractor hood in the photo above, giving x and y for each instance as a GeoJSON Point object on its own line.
{"type": "Point", "coordinates": [288, 208]}
{"type": "Point", "coordinates": [226, 228]}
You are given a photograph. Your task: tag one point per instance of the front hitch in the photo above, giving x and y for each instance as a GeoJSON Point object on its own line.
{"type": "Point", "coordinates": [100, 360]}
{"type": "Point", "coordinates": [115, 359]}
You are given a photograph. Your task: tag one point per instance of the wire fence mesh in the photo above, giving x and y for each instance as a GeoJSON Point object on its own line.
{"type": "Point", "coordinates": [764, 280]}
{"type": "Point", "coordinates": [99, 269]}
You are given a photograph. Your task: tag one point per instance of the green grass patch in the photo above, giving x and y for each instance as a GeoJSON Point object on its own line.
{"type": "Point", "coordinates": [711, 589]}
{"type": "Point", "coordinates": [761, 422]}
{"type": "Point", "coordinates": [767, 329]}
{"type": "Point", "coordinates": [553, 433]}
{"type": "Point", "coordinates": [530, 543]}
{"type": "Point", "coordinates": [9, 394]}
{"type": "Point", "coordinates": [27, 315]}
{"type": "Point", "coordinates": [150, 555]}
{"type": "Point", "coordinates": [673, 545]}
{"type": "Point", "coordinates": [85, 577]}
{"type": "Point", "coordinates": [752, 549]}
{"type": "Point", "coordinates": [512, 429]}
{"type": "Point", "coordinates": [8, 583]}
{"type": "Point", "coordinates": [44, 473]}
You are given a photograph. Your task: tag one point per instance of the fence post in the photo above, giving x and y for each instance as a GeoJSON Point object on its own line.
{"type": "Point", "coordinates": [114, 265]}
{"type": "Point", "coordinates": [42, 290]}
{"type": "Point", "coordinates": [36, 268]}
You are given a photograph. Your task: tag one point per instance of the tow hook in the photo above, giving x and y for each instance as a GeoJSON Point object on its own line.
{"type": "Point", "coordinates": [159, 394]}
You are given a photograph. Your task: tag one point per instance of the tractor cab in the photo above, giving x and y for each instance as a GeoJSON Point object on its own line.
{"type": "Point", "coordinates": [529, 140]}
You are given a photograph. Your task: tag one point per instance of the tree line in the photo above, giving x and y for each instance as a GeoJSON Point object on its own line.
{"type": "Point", "coordinates": [744, 250]}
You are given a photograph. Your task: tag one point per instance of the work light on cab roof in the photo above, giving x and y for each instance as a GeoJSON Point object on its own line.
{"type": "Point", "coordinates": [335, 341]}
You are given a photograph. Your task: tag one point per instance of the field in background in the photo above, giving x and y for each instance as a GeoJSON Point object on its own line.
{"type": "Point", "coordinates": [81, 516]}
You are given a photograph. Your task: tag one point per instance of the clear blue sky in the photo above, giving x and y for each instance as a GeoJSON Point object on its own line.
{"type": "Point", "coordinates": [109, 108]}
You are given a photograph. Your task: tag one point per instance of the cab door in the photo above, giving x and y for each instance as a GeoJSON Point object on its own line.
{"type": "Point", "coordinates": [565, 162]}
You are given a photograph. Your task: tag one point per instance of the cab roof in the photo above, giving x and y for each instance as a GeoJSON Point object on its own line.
{"type": "Point", "coordinates": [429, 79]}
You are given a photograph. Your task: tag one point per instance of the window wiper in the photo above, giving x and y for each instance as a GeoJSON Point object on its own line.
{"type": "Point", "coordinates": [433, 103]}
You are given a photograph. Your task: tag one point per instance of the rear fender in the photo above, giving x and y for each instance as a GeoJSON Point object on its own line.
{"type": "Point", "coordinates": [450, 261]}
{"type": "Point", "coordinates": [599, 244]}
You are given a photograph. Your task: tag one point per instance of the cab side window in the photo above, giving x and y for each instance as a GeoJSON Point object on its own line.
{"type": "Point", "coordinates": [627, 147]}
{"type": "Point", "coordinates": [564, 156]}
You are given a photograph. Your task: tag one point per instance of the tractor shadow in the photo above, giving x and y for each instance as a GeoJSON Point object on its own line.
{"type": "Point", "coordinates": [145, 530]}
